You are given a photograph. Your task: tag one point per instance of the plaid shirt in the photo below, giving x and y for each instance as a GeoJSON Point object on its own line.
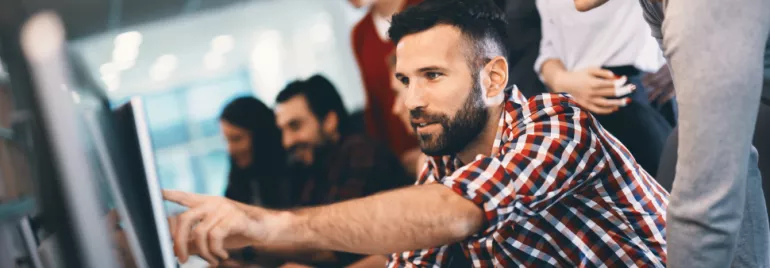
{"type": "Point", "coordinates": [354, 168]}
{"type": "Point", "coordinates": [557, 191]}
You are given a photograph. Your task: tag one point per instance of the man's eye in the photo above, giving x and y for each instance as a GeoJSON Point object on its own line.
{"type": "Point", "coordinates": [404, 80]}
{"type": "Point", "coordinates": [294, 126]}
{"type": "Point", "coordinates": [432, 75]}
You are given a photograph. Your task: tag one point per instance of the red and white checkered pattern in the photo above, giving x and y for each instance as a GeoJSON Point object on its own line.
{"type": "Point", "coordinates": [557, 191]}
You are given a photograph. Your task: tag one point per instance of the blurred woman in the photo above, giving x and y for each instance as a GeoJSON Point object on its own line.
{"type": "Point", "coordinates": [257, 159]}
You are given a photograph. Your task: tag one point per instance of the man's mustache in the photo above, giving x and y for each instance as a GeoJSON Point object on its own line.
{"type": "Point", "coordinates": [422, 115]}
{"type": "Point", "coordinates": [299, 146]}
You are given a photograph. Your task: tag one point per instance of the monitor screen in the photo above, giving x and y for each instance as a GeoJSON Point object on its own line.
{"type": "Point", "coordinates": [120, 151]}
{"type": "Point", "coordinates": [119, 147]}
{"type": "Point", "coordinates": [140, 186]}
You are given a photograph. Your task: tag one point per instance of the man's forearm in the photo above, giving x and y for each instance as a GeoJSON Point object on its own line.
{"type": "Point", "coordinates": [550, 71]}
{"type": "Point", "coordinates": [401, 220]}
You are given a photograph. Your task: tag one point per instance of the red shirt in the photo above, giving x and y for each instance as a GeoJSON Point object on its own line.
{"type": "Point", "coordinates": [372, 53]}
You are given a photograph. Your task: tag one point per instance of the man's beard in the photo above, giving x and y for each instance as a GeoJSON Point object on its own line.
{"type": "Point", "coordinates": [457, 133]}
{"type": "Point", "coordinates": [318, 151]}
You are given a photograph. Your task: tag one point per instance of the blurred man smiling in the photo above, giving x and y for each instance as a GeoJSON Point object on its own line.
{"type": "Point", "coordinates": [329, 164]}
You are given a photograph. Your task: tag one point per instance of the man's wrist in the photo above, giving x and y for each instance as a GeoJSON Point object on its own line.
{"type": "Point", "coordinates": [284, 230]}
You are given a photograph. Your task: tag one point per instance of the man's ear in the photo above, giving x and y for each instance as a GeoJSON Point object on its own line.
{"type": "Point", "coordinates": [331, 123]}
{"type": "Point", "coordinates": [497, 76]}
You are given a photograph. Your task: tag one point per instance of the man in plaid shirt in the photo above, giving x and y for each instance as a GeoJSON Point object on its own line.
{"type": "Point", "coordinates": [511, 182]}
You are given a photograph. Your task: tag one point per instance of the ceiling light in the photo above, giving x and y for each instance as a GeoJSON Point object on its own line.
{"type": "Point", "coordinates": [266, 64]}
{"type": "Point", "coordinates": [125, 54]}
{"type": "Point", "coordinates": [222, 44]}
{"type": "Point", "coordinates": [166, 63]}
{"type": "Point", "coordinates": [111, 82]}
{"type": "Point", "coordinates": [124, 65]}
{"type": "Point", "coordinates": [128, 39]}
{"type": "Point", "coordinates": [108, 69]}
{"type": "Point", "coordinates": [163, 67]}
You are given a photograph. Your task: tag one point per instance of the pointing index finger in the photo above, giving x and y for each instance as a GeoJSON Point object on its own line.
{"type": "Point", "coordinates": [182, 198]}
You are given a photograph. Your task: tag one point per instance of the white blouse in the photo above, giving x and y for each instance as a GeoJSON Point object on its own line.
{"type": "Point", "coordinates": [614, 34]}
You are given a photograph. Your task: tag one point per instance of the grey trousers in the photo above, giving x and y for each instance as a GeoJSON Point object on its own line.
{"type": "Point", "coordinates": [716, 215]}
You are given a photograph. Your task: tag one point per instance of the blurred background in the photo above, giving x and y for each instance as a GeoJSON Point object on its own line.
{"type": "Point", "coordinates": [187, 59]}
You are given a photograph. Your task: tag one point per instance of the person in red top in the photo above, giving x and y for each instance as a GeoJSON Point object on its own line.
{"type": "Point", "coordinates": [372, 46]}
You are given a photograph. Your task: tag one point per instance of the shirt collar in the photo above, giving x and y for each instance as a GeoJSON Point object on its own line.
{"type": "Point", "coordinates": [514, 101]}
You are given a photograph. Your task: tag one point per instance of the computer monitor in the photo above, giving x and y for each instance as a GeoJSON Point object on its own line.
{"type": "Point", "coordinates": [66, 184]}
{"type": "Point", "coordinates": [93, 161]}
{"type": "Point", "coordinates": [140, 187]}
{"type": "Point", "coordinates": [120, 154]}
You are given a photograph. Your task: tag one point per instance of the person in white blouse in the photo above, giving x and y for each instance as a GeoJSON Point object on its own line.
{"type": "Point", "coordinates": [599, 57]}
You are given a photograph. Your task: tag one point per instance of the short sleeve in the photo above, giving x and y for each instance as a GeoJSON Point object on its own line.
{"type": "Point", "coordinates": [548, 41]}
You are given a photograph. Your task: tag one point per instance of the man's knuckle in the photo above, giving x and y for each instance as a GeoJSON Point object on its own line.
{"type": "Point", "coordinates": [218, 233]}
{"type": "Point", "coordinates": [201, 232]}
{"type": "Point", "coordinates": [185, 217]}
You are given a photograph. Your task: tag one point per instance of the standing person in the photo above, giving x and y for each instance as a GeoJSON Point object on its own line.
{"type": "Point", "coordinates": [372, 47]}
{"type": "Point", "coordinates": [717, 213]}
{"type": "Point", "coordinates": [511, 182]}
{"type": "Point", "coordinates": [585, 54]}
{"type": "Point", "coordinates": [258, 172]}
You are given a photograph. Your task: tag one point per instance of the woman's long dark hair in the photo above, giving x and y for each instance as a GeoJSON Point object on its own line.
{"type": "Point", "coordinates": [268, 165]}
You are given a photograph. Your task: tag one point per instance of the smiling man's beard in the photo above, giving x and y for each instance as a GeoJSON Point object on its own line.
{"type": "Point", "coordinates": [317, 150]}
{"type": "Point", "coordinates": [457, 133]}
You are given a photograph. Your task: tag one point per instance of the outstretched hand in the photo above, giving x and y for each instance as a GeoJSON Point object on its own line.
{"type": "Point", "coordinates": [212, 226]}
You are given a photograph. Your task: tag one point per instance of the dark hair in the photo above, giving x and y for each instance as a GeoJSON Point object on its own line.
{"type": "Point", "coordinates": [482, 23]}
{"type": "Point", "coordinates": [322, 98]}
{"type": "Point", "coordinates": [268, 164]}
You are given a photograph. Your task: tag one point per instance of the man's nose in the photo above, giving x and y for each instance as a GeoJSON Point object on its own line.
{"type": "Point", "coordinates": [414, 98]}
{"type": "Point", "coordinates": [288, 140]}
